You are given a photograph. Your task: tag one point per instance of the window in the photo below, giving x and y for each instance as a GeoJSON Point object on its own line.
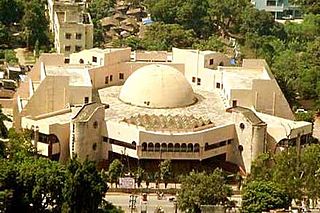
{"type": "Point", "coordinates": [193, 79]}
{"type": "Point", "coordinates": [67, 60]}
{"type": "Point", "coordinates": [211, 61]}
{"type": "Point", "coordinates": [198, 81]}
{"type": "Point", "coordinates": [81, 61]}
{"type": "Point", "coordinates": [121, 76]}
{"type": "Point", "coordinates": [106, 80]}
{"type": "Point", "coordinates": [234, 103]}
{"type": "Point", "coordinates": [78, 36]}
{"type": "Point", "coordinates": [67, 48]}
{"type": "Point", "coordinates": [271, 2]}
{"type": "Point", "coordinates": [86, 100]}
{"type": "Point", "coordinates": [111, 78]}
{"type": "Point", "coordinates": [94, 59]}
{"type": "Point", "coordinates": [78, 48]}
{"type": "Point", "coordinates": [242, 126]}
{"type": "Point", "coordinates": [218, 85]}
{"type": "Point", "coordinates": [68, 35]}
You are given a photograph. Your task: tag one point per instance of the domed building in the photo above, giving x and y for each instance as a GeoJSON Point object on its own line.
{"type": "Point", "coordinates": [188, 106]}
{"type": "Point", "coordinates": [157, 86]}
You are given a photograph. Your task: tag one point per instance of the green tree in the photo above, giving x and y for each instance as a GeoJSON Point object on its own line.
{"type": "Point", "coordinates": [161, 36]}
{"type": "Point", "coordinates": [212, 43]}
{"type": "Point", "coordinates": [287, 164]}
{"type": "Point", "coordinates": [164, 10]}
{"type": "Point", "coordinates": [84, 187]}
{"type": "Point", "coordinates": [261, 168]}
{"type": "Point", "coordinates": [139, 176]}
{"type": "Point", "coordinates": [115, 171]}
{"type": "Point", "coordinates": [35, 24]}
{"type": "Point", "coordinates": [11, 11]}
{"type": "Point", "coordinates": [165, 171]}
{"type": "Point", "coordinates": [310, 165]}
{"type": "Point", "coordinates": [225, 16]}
{"type": "Point", "coordinates": [305, 116]}
{"type": "Point", "coordinates": [259, 196]}
{"type": "Point", "coordinates": [10, 57]}
{"type": "Point", "coordinates": [256, 21]}
{"type": "Point", "coordinates": [308, 6]}
{"type": "Point", "coordinates": [202, 189]}
{"type": "Point", "coordinates": [192, 15]}
{"type": "Point", "coordinates": [42, 182]}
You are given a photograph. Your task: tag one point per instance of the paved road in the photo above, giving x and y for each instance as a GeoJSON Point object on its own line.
{"type": "Point", "coordinates": [122, 200]}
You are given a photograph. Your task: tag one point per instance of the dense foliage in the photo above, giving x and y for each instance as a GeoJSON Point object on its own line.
{"type": "Point", "coordinates": [202, 189]}
{"type": "Point", "coordinates": [297, 173]}
{"type": "Point", "coordinates": [24, 22]}
{"type": "Point", "coordinates": [261, 196]}
{"type": "Point", "coordinates": [29, 183]}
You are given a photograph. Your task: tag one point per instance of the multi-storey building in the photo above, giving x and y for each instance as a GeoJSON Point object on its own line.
{"type": "Point", "coordinates": [72, 27]}
{"type": "Point", "coordinates": [281, 9]}
{"type": "Point", "coordinates": [188, 106]}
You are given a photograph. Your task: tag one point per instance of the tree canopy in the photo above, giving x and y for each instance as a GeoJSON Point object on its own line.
{"type": "Point", "coordinates": [202, 189]}
{"type": "Point", "coordinates": [259, 196]}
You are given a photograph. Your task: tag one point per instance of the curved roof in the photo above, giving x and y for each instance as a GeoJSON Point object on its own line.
{"type": "Point", "coordinates": [157, 86]}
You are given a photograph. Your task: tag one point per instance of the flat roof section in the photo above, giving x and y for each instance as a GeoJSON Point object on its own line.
{"type": "Point", "coordinates": [79, 76]}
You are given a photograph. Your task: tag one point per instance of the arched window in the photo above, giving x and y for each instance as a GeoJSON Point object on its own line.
{"type": "Point", "coordinates": [164, 147]}
{"type": "Point", "coordinates": [170, 147]}
{"type": "Point", "coordinates": [177, 147]}
{"type": "Point", "coordinates": [157, 147]}
{"type": "Point", "coordinates": [150, 147]}
{"type": "Point", "coordinates": [144, 146]}
{"type": "Point", "coordinates": [206, 146]}
{"type": "Point", "coordinates": [196, 147]}
{"type": "Point", "coordinates": [81, 61]}
{"type": "Point", "coordinates": [134, 143]}
{"type": "Point", "coordinates": [183, 147]}
{"type": "Point", "coordinates": [190, 147]}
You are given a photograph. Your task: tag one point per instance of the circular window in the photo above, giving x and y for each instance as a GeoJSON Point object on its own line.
{"type": "Point", "coordinates": [94, 146]}
{"type": "Point", "coordinates": [242, 126]}
{"type": "Point", "coordinates": [95, 124]}
{"type": "Point", "coordinates": [240, 148]}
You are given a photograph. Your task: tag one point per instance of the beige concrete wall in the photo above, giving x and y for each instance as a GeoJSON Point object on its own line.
{"type": "Point", "coordinates": [244, 138]}
{"type": "Point", "coordinates": [6, 103]}
{"type": "Point", "coordinates": [77, 95]}
{"type": "Point", "coordinates": [104, 57]}
{"type": "Point", "coordinates": [98, 74]}
{"type": "Point", "coordinates": [44, 100]}
{"type": "Point", "coordinates": [269, 99]}
{"type": "Point", "coordinates": [252, 138]}
{"type": "Point", "coordinates": [62, 131]}
{"type": "Point", "coordinates": [151, 56]}
{"type": "Point", "coordinates": [88, 139]}
{"type": "Point", "coordinates": [243, 97]}
{"type": "Point", "coordinates": [195, 61]}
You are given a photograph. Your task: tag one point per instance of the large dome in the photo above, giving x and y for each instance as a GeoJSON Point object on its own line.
{"type": "Point", "coordinates": [157, 86]}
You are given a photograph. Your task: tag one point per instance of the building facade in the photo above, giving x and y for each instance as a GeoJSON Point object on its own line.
{"type": "Point", "coordinates": [188, 106]}
{"type": "Point", "coordinates": [281, 9]}
{"type": "Point", "coordinates": [71, 25]}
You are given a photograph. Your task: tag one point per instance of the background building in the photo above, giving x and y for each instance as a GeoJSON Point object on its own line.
{"type": "Point", "coordinates": [72, 26]}
{"type": "Point", "coordinates": [281, 9]}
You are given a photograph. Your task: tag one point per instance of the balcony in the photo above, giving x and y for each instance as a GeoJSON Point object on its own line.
{"type": "Point", "coordinates": [197, 154]}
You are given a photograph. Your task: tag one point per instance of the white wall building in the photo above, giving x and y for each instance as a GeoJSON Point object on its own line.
{"type": "Point", "coordinates": [193, 108]}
